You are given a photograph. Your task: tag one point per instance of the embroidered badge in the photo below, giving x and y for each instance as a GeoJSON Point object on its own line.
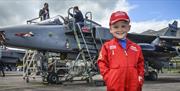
{"type": "Point", "coordinates": [112, 47]}
{"type": "Point", "coordinates": [133, 48]}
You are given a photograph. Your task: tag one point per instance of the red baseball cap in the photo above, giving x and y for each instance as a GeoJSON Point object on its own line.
{"type": "Point", "coordinates": [117, 16]}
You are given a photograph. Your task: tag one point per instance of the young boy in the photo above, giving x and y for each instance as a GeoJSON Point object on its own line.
{"type": "Point", "coordinates": [120, 60]}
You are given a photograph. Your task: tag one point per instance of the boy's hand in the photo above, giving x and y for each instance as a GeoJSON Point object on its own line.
{"type": "Point", "coordinates": [140, 78]}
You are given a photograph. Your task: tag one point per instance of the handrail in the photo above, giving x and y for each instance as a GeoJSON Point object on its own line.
{"type": "Point", "coordinates": [89, 13]}
{"type": "Point", "coordinates": [69, 12]}
{"type": "Point", "coordinates": [90, 18]}
{"type": "Point", "coordinates": [32, 20]}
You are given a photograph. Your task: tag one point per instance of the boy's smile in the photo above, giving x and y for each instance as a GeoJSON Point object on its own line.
{"type": "Point", "coordinates": [120, 29]}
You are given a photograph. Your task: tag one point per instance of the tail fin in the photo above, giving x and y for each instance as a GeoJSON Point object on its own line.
{"type": "Point", "coordinates": [172, 29]}
{"type": "Point", "coordinates": [175, 24]}
{"type": "Point", "coordinates": [156, 41]}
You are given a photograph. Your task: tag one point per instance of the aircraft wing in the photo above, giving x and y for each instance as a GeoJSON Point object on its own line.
{"type": "Point", "coordinates": [174, 41]}
{"type": "Point", "coordinates": [140, 38]}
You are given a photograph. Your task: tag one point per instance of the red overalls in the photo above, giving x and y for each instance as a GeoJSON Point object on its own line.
{"type": "Point", "coordinates": [121, 68]}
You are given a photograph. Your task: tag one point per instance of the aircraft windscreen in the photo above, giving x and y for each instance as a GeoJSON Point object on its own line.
{"type": "Point", "coordinates": [89, 22]}
{"type": "Point", "coordinates": [52, 21]}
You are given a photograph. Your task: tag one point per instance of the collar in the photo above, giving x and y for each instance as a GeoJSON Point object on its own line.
{"type": "Point", "coordinates": [123, 43]}
{"type": "Point", "coordinates": [128, 42]}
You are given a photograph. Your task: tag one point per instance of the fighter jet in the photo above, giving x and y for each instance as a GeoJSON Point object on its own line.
{"type": "Point", "coordinates": [11, 57]}
{"type": "Point", "coordinates": [158, 47]}
{"type": "Point", "coordinates": [59, 35]}
{"type": "Point", "coordinates": [73, 42]}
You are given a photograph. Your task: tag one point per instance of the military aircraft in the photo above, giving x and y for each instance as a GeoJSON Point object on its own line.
{"type": "Point", "coordinates": [11, 57]}
{"type": "Point", "coordinates": [158, 46]}
{"type": "Point", "coordinates": [77, 45]}
{"type": "Point", "coordinates": [58, 35]}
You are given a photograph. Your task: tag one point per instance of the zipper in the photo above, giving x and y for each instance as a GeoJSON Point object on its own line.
{"type": "Point", "coordinates": [125, 52]}
{"type": "Point", "coordinates": [112, 52]}
{"type": "Point", "coordinates": [126, 80]}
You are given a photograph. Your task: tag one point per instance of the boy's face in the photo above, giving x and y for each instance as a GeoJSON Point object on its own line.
{"type": "Point", "coordinates": [120, 29]}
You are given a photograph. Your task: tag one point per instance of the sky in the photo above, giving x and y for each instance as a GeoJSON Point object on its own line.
{"type": "Point", "coordinates": [144, 14]}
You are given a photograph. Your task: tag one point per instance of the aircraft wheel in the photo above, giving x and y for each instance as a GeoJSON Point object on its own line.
{"type": "Point", "coordinates": [153, 76]}
{"type": "Point", "coordinates": [52, 78]}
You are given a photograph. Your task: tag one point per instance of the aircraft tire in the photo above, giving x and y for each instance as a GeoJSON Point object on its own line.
{"type": "Point", "coordinates": [153, 76]}
{"type": "Point", "coordinates": [52, 78]}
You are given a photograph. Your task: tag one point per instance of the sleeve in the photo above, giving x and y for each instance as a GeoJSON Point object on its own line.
{"type": "Point", "coordinates": [40, 12]}
{"type": "Point", "coordinates": [48, 14]}
{"type": "Point", "coordinates": [103, 62]}
{"type": "Point", "coordinates": [140, 65]}
{"type": "Point", "coordinates": [71, 14]}
{"type": "Point", "coordinates": [75, 15]}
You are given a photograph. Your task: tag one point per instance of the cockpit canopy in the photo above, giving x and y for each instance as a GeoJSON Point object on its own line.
{"type": "Point", "coordinates": [57, 20]}
{"type": "Point", "coordinates": [60, 20]}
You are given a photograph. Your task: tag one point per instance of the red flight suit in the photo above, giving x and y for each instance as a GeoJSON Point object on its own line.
{"type": "Point", "coordinates": [120, 67]}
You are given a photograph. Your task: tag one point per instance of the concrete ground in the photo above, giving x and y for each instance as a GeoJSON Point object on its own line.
{"type": "Point", "coordinates": [166, 82]}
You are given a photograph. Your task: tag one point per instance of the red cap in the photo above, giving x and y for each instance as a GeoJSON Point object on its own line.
{"type": "Point", "coordinates": [117, 16]}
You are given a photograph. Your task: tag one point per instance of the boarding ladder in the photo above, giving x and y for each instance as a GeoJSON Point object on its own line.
{"type": "Point", "coordinates": [89, 41]}
{"type": "Point", "coordinates": [87, 46]}
{"type": "Point", "coordinates": [29, 65]}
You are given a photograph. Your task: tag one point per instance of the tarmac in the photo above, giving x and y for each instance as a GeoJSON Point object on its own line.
{"type": "Point", "coordinates": [14, 82]}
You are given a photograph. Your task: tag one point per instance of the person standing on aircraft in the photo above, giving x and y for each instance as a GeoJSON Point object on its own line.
{"type": "Point", "coordinates": [78, 16]}
{"type": "Point", "coordinates": [44, 12]}
{"type": "Point", "coordinates": [2, 68]}
{"type": "Point", "coordinates": [120, 60]}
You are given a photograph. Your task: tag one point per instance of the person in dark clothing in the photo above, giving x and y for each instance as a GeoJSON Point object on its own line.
{"type": "Point", "coordinates": [77, 15]}
{"type": "Point", "coordinates": [44, 12]}
{"type": "Point", "coordinates": [2, 68]}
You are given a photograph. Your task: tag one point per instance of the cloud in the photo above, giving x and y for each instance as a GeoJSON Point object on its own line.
{"type": "Point", "coordinates": [139, 27]}
{"type": "Point", "coordinates": [19, 11]}
{"type": "Point", "coordinates": [121, 5]}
